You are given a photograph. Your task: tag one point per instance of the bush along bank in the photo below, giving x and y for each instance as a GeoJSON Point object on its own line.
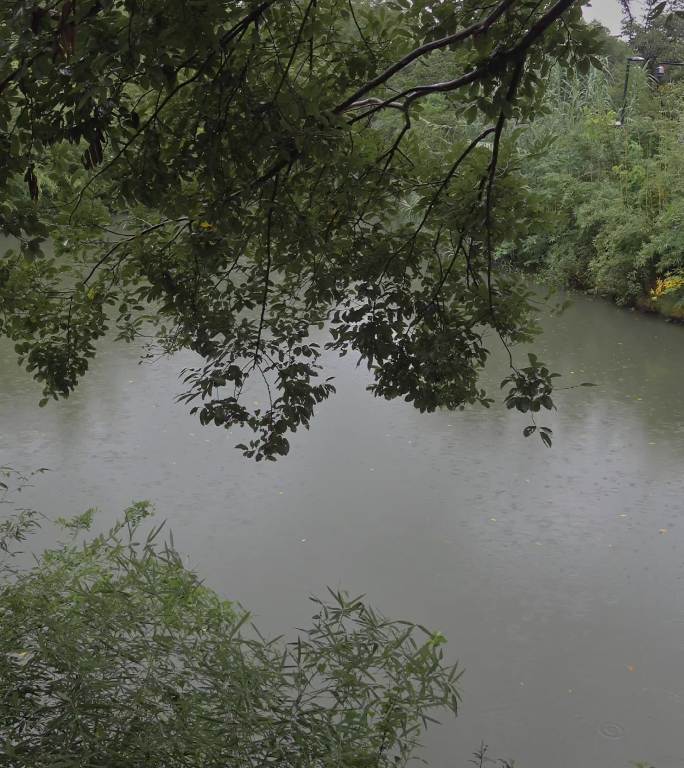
{"type": "Point", "coordinates": [609, 198]}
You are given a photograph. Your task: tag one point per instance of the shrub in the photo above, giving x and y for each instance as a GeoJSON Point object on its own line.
{"type": "Point", "coordinates": [113, 653]}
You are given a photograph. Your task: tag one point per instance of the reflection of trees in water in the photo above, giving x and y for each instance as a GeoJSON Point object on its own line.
{"type": "Point", "coordinates": [635, 361]}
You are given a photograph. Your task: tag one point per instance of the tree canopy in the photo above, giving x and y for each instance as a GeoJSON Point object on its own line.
{"type": "Point", "coordinates": [228, 177]}
{"type": "Point", "coordinates": [657, 35]}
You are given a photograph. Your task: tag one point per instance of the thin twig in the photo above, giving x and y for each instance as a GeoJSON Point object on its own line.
{"type": "Point", "coordinates": [267, 276]}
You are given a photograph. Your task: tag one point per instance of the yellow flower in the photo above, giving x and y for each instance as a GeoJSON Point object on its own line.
{"type": "Point", "coordinates": [206, 225]}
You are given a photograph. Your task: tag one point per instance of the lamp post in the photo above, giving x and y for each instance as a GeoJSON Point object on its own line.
{"type": "Point", "coordinates": [630, 60]}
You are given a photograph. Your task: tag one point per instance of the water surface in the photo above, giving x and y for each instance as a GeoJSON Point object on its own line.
{"type": "Point", "coordinates": [557, 575]}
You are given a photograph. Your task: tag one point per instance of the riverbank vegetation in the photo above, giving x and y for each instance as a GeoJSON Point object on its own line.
{"type": "Point", "coordinates": [609, 192]}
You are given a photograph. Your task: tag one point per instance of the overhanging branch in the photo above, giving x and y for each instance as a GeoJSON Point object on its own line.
{"type": "Point", "coordinates": [495, 65]}
{"type": "Point", "coordinates": [458, 37]}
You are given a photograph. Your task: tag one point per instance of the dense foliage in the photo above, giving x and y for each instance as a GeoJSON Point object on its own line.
{"type": "Point", "coordinates": [113, 654]}
{"type": "Point", "coordinates": [226, 177]}
{"type": "Point", "coordinates": [658, 35]}
{"type": "Point", "coordinates": [616, 191]}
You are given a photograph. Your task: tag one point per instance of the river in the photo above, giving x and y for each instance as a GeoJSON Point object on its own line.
{"type": "Point", "coordinates": [556, 574]}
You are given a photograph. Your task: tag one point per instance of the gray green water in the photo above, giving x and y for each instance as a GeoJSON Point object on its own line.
{"type": "Point", "coordinates": [557, 575]}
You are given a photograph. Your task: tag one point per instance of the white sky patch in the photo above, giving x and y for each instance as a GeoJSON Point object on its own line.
{"type": "Point", "coordinates": [609, 13]}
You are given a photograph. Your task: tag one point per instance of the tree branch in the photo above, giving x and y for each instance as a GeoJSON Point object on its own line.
{"type": "Point", "coordinates": [267, 276]}
{"type": "Point", "coordinates": [471, 31]}
{"type": "Point", "coordinates": [443, 185]}
{"type": "Point", "coordinates": [501, 122]}
{"type": "Point", "coordinates": [255, 15]}
{"type": "Point", "coordinates": [496, 64]}
{"type": "Point", "coordinates": [146, 231]}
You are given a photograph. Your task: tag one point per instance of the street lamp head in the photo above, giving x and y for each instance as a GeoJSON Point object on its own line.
{"type": "Point", "coordinates": [636, 59]}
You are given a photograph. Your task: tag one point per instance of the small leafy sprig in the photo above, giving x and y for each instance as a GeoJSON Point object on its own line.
{"type": "Point", "coordinates": [530, 390]}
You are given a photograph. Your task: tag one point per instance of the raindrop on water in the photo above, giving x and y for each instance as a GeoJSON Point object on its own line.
{"type": "Point", "coordinates": [611, 730]}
